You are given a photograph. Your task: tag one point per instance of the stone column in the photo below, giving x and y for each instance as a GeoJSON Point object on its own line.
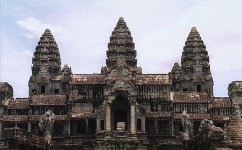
{"type": "Point", "coordinates": [225, 125]}
{"type": "Point", "coordinates": [86, 130]}
{"type": "Point", "coordinates": [156, 126]}
{"type": "Point", "coordinates": [98, 124]}
{"type": "Point", "coordinates": [1, 126]}
{"type": "Point", "coordinates": [133, 118]}
{"type": "Point", "coordinates": [172, 127]}
{"type": "Point", "coordinates": [29, 126]}
{"type": "Point", "coordinates": [143, 125]}
{"type": "Point", "coordinates": [108, 117]}
{"type": "Point", "coordinates": [68, 128]}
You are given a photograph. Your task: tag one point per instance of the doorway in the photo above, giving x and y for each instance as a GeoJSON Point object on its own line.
{"type": "Point", "coordinates": [120, 116]}
{"type": "Point", "coordinates": [120, 111]}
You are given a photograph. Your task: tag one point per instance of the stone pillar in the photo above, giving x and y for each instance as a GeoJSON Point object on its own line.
{"type": "Point", "coordinates": [225, 125]}
{"type": "Point", "coordinates": [133, 118]}
{"type": "Point", "coordinates": [98, 124]}
{"type": "Point", "coordinates": [156, 126]}
{"type": "Point", "coordinates": [1, 126]}
{"type": "Point", "coordinates": [29, 126]}
{"type": "Point", "coordinates": [108, 117]}
{"type": "Point", "coordinates": [68, 128]}
{"type": "Point", "coordinates": [143, 125]}
{"type": "Point", "coordinates": [172, 127]}
{"type": "Point", "coordinates": [86, 130]}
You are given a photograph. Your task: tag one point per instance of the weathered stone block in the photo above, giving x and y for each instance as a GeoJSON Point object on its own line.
{"type": "Point", "coordinates": [121, 126]}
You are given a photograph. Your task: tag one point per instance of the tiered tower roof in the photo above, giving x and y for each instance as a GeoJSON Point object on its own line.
{"type": "Point", "coordinates": [176, 68]}
{"type": "Point", "coordinates": [195, 59]}
{"type": "Point", "coordinates": [175, 71]}
{"type": "Point", "coordinates": [46, 57]}
{"type": "Point", "coordinates": [121, 44]}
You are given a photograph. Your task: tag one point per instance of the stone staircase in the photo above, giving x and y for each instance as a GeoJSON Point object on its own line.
{"type": "Point", "coordinates": [234, 130]}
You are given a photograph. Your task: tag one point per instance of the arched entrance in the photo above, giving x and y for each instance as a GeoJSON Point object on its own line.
{"type": "Point", "coordinates": [121, 111]}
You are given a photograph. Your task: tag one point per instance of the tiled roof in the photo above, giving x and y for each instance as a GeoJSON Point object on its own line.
{"type": "Point", "coordinates": [218, 102]}
{"type": "Point", "coordinates": [60, 117]}
{"type": "Point", "coordinates": [158, 115]}
{"type": "Point", "coordinates": [48, 100]}
{"type": "Point", "coordinates": [87, 79]}
{"type": "Point", "coordinates": [220, 118]}
{"type": "Point", "coordinates": [34, 117]}
{"type": "Point", "coordinates": [15, 118]}
{"type": "Point", "coordinates": [19, 103]}
{"type": "Point", "coordinates": [83, 115]}
{"type": "Point", "coordinates": [184, 97]}
{"type": "Point", "coordinates": [153, 79]}
{"type": "Point", "coordinates": [37, 117]}
{"type": "Point", "coordinates": [194, 116]}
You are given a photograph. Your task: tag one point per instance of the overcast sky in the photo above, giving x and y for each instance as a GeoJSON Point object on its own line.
{"type": "Point", "coordinates": [82, 29]}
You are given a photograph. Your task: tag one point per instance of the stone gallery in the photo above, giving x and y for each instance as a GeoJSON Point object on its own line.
{"type": "Point", "coordinates": [121, 108]}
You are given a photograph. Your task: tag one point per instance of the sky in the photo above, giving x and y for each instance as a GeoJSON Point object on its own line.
{"type": "Point", "coordinates": [82, 29]}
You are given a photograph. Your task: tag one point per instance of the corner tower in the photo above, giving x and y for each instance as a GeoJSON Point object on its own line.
{"type": "Point", "coordinates": [46, 56]}
{"type": "Point", "coordinates": [46, 66]}
{"type": "Point", "coordinates": [195, 68]}
{"type": "Point", "coordinates": [121, 45]}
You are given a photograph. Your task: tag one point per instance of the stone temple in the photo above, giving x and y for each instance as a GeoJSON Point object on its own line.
{"type": "Point", "coordinates": [121, 108]}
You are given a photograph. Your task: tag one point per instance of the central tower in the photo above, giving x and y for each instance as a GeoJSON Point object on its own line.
{"type": "Point", "coordinates": [119, 106]}
{"type": "Point", "coordinates": [121, 45]}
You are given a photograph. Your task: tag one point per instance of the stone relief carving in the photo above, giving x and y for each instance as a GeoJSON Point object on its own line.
{"type": "Point", "coordinates": [214, 133]}
{"type": "Point", "coordinates": [43, 74]}
{"type": "Point", "coordinates": [187, 126]}
{"type": "Point", "coordinates": [235, 86]}
{"type": "Point", "coordinates": [120, 77]}
{"type": "Point", "coordinates": [46, 124]}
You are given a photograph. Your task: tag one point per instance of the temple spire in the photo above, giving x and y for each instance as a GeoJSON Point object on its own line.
{"type": "Point", "coordinates": [46, 69]}
{"type": "Point", "coordinates": [46, 57]}
{"type": "Point", "coordinates": [176, 68]}
{"type": "Point", "coordinates": [121, 21]}
{"type": "Point", "coordinates": [121, 45]}
{"type": "Point", "coordinates": [194, 30]}
{"type": "Point", "coordinates": [194, 52]}
{"type": "Point", "coordinates": [195, 64]}
{"type": "Point", "coordinates": [175, 75]}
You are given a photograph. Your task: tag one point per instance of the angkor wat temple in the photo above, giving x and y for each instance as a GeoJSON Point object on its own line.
{"type": "Point", "coordinates": [121, 108]}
